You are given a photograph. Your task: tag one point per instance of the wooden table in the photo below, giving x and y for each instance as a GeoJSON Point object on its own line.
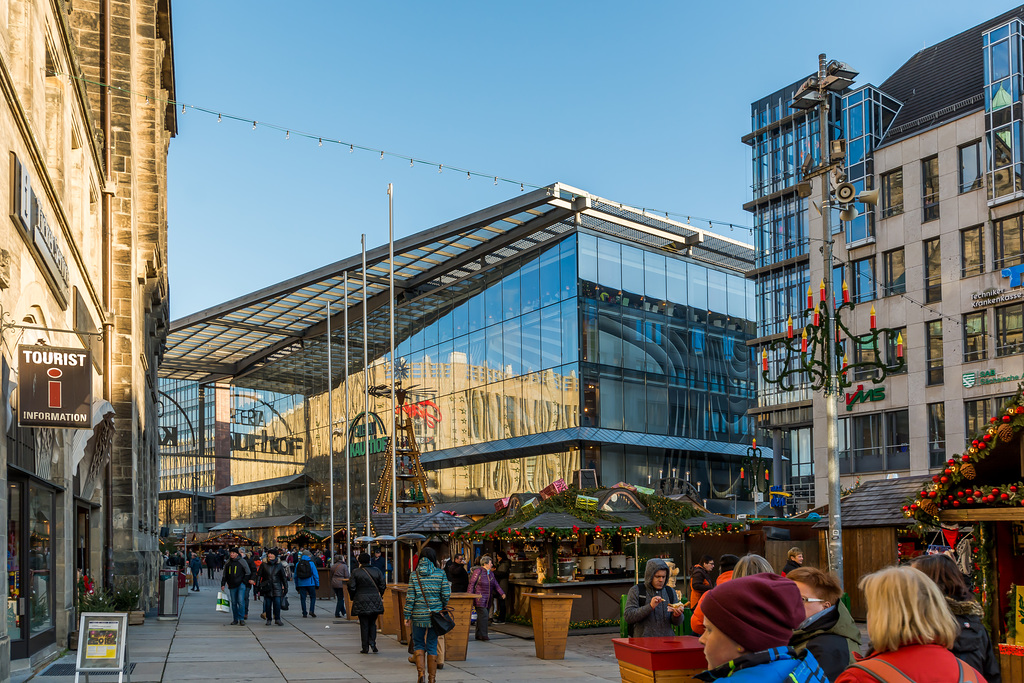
{"type": "Point", "coordinates": [399, 591]}
{"type": "Point", "coordinates": [550, 615]}
{"type": "Point", "coordinates": [659, 660]}
{"type": "Point", "coordinates": [600, 597]}
{"type": "Point", "coordinates": [457, 640]}
{"type": "Point", "coordinates": [389, 621]}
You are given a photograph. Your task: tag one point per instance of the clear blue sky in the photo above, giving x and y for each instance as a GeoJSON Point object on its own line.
{"type": "Point", "coordinates": [640, 102]}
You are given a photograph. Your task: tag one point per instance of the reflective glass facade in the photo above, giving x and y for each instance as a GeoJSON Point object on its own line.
{"type": "Point", "coordinates": [588, 351]}
{"type": "Point", "coordinates": [1003, 109]}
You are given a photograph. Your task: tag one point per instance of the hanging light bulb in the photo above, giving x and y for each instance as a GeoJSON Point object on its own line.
{"type": "Point", "coordinates": [287, 134]}
{"type": "Point", "coordinates": [254, 125]}
{"type": "Point", "coordinates": [351, 148]}
{"type": "Point", "coordinates": [467, 175]}
{"type": "Point", "coordinates": [218, 118]}
{"type": "Point", "coordinates": [183, 109]}
{"type": "Point", "coordinates": [410, 163]}
{"type": "Point", "coordinates": [521, 187]}
{"type": "Point", "coordinates": [382, 156]}
{"type": "Point", "coordinates": [495, 180]}
{"type": "Point", "coordinates": [320, 142]}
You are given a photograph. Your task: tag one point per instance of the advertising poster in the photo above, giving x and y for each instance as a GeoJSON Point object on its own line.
{"type": "Point", "coordinates": [101, 640]}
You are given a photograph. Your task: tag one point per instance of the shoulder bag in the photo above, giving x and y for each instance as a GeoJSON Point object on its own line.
{"type": "Point", "coordinates": [442, 620]}
{"type": "Point", "coordinates": [373, 582]}
{"type": "Point", "coordinates": [890, 674]}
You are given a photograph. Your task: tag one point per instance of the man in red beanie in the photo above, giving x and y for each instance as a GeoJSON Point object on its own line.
{"type": "Point", "coordinates": [749, 623]}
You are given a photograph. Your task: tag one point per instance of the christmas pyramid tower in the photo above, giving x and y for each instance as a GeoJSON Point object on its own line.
{"type": "Point", "coordinates": [403, 453]}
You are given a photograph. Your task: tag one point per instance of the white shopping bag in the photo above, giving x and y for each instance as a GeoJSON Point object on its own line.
{"type": "Point", "coordinates": [223, 603]}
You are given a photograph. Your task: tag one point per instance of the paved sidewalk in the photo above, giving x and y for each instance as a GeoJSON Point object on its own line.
{"type": "Point", "coordinates": [202, 646]}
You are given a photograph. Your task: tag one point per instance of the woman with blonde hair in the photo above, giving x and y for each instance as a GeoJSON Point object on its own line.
{"type": "Point", "coordinates": [911, 631]}
{"type": "Point", "coordinates": [751, 564]}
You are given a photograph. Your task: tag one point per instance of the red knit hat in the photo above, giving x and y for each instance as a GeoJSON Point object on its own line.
{"type": "Point", "coordinates": [758, 612]}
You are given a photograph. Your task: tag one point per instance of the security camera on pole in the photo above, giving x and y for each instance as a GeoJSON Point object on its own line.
{"type": "Point", "coordinates": [814, 357]}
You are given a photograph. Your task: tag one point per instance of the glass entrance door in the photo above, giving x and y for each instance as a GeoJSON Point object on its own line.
{"type": "Point", "coordinates": [30, 562]}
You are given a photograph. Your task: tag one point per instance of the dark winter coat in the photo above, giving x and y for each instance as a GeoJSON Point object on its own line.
{"type": "Point", "coordinates": [973, 645]}
{"type": "Point", "coordinates": [650, 622]}
{"type": "Point", "coordinates": [459, 577]}
{"type": "Point", "coordinates": [832, 637]}
{"type": "Point", "coordinates": [700, 583]}
{"type": "Point", "coordinates": [236, 573]}
{"type": "Point", "coordinates": [790, 566]}
{"type": "Point", "coordinates": [271, 579]}
{"type": "Point", "coordinates": [366, 586]}
{"type": "Point", "coordinates": [195, 565]}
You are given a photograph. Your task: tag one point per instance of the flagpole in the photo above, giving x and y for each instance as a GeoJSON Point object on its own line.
{"type": "Point", "coordinates": [366, 390]}
{"type": "Point", "coordinates": [394, 436]}
{"type": "Point", "coordinates": [330, 421]}
{"type": "Point", "coordinates": [348, 483]}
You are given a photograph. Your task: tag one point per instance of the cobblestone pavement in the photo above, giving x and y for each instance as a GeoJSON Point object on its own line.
{"type": "Point", "coordinates": [202, 646]}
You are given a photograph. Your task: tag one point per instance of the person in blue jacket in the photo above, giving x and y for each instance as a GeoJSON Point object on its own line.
{"type": "Point", "coordinates": [748, 624]}
{"type": "Point", "coordinates": [307, 580]}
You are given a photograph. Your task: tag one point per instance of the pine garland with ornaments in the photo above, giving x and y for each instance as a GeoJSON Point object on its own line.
{"type": "Point", "coordinates": [956, 486]}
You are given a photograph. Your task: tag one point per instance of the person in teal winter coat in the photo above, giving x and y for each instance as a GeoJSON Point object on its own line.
{"type": "Point", "coordinates": [307, 580]}
{"type": "Point", "coordinates": [429, 590]}
{"type": "Point", "coordinates": [748, 624]}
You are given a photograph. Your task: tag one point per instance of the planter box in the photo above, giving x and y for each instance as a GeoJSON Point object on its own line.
{"type": "Point", "coordinates": [659, 660]}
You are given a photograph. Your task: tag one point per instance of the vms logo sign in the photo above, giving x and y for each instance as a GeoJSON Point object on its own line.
{"type": "Point", "coordinates": [970, 379]}
{"type": "Point", "coordinates": [861, 396]}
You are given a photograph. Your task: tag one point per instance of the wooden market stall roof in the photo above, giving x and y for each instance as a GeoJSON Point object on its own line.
{"type": "Point", "coordinates": [876, 503]}
{"type": "Point", "coordinates": [216, 538]}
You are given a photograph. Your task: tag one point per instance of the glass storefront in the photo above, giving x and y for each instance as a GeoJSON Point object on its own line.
{"type": "Point", "coordinates": [30, 565]}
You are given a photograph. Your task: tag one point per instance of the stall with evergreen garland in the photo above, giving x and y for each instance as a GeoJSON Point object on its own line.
{"type": "Point", "coordinates": [978, 501]}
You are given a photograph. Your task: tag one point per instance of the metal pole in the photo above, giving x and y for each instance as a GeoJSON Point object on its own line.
{"type": "Point", "coordinates": [394, 436]}
{"type": "Point", "coordinates": [835, 527]}
{"type": "Point", "coordinates": [330, 421]}
{"type": "Point", "coordinates": [777, 470]}
{"type": "Point", "coordinates": [348, 483]}
{"type": "Point", "coordinates": [366, 389]}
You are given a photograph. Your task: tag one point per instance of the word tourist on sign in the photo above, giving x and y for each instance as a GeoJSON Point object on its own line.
{"type": "Point", "coordinates": [980, 379]}
{"type": "Point", "coordinates": [862, 396]}
{"type": "Point", "coordinates": [54, 387]}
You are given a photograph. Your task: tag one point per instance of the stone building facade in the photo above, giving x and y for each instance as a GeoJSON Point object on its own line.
{"type": "Point", "coordinates": [82, 266]}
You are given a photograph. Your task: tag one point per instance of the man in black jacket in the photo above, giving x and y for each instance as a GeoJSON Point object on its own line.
{"type": "Point", "coordinates": [457, 574]}
{"type": "Point", "coordinates": [237, 574]}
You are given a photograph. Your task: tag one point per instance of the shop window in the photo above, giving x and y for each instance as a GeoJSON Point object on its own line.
{"type": "Point", "coordinates": [975, 336]}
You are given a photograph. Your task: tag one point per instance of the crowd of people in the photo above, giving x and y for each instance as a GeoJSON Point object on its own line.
{"type": "Point", "coordinates": [758, 625]}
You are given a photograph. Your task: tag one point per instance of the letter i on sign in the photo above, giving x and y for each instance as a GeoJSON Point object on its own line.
{"type": "Point", "coordinates": [54, 387]}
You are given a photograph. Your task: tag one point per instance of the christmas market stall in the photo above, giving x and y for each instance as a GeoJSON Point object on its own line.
{"type": "Point", "coordinates": [589, 542]}
{"type": "Point", "coordinates": [978, 501]}
{"type": "Point", "coordinates": [303, 538]}
{"type": "Point", "coordinates": [215, 540]}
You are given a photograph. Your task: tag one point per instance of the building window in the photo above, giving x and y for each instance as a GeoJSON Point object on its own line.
{"type": "Point", "coordinates": [892, 193]}
{"type": "Point", "coordinates": [930, 189]}
{"type": "Point", "coordinates": [1008, 235]}
{"type": "Point", "coordinates": [933, 346]}
{"type": "Point", "coordinates": [932, 271]}
{"type": "Point", "coordinates": [895, 273]}
{"type": "Point", "coordinates": [975, 337]}
{"type": "Point", "coordinates": [864, 280]}
{"type": "Point", "coordinates": [897, 440]}
{"type": "Point", "coordinates": [891, 358]}
{"type": "Point", "coordinates": [864, 352]}
{"type": "Point", "coordinates": [972, 251]}
{"type": "Point", "coordinates": [875, 443]}
{"type": "Point", "coordinates": [970, 166]}
{"type": "Point", "coordinates": [976, 414]}
{"type": "Point", "coordinates": [1010, 330]}
{"type": "Point", "coordinates": [936, 434]}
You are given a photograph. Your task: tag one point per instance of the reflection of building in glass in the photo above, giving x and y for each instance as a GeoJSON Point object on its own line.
{"type": "Point", "coordinates": [931, 258]}
{"type": "Point", "coordinates": [545, 334]}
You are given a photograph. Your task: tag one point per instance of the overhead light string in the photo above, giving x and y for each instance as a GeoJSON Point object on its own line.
{"type": "Point", "coordinates": [289, 130]}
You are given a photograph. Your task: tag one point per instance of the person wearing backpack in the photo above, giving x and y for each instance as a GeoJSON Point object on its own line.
{"type": "Point", "coordinates": [911, 631]}
{"type": "Point", "coordinates": [307, 580]}
{"type": "Point", "coordinates": [653, 608]}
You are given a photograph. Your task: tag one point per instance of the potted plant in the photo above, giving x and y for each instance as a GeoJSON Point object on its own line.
{"type": "Point", "coordinates": [126, 597]}
{"type": "Point", "coordinates": [89, 599]}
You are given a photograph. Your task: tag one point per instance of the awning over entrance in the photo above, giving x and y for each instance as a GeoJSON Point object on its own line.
{"type": "Point", "coordinates": [261, 522]}
{"type": "Point", "coordinates": [175, 494]}
{"type": "Point", "coordinates": [292, 481]}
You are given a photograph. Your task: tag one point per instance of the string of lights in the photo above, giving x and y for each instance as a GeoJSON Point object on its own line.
{"type": "Point", "coordinates": [322, 139]}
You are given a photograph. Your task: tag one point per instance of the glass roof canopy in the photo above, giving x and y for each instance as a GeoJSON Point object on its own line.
{"type": "Point", "coordinates": [275, 337]}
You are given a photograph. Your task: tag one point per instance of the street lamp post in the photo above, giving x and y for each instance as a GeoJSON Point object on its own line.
{"type": "Point", "coordinates": [814, 356]}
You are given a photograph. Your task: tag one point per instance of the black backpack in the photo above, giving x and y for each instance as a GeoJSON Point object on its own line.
{"type": "Point", "coordinates": [304, 569]}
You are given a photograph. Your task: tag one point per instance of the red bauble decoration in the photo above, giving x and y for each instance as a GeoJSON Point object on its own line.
{"type": "Point", "coordinates": [965, 457]}
{"type": "Point", "coordinates": [1014, 489]}
{"type": "Point", "coordinates": [1020, 410]}
{"type": "Point", "coordinates": [987, 438]}
{"type": "Point", "coordinates": [936, 479]}
{"type": "Point", "coordinates": [995, 491]}
{"type": "Point", "coordinates": [944, 480]}
{"type": "Point", "coordinates": [960, 494]}
{"type": "Point", "coordinates": [703, 525]}
{"type": "Point", "coordinates": [956, 503]}
{"type": "Point", "coordinates": [947, 471]}
{"type": "Point", "coordinates": [975, 443]}
{"type": "Point", "coordinates": [989, 499]}
{"type": "Point", "coordinates": [1006, 418]}
{"type": "Point", "coordinates": [977, 493]}
{"type": "Point", "coordinates": [992, 420]}
{"type": "Point", "coordinates": [970, 501]}
{"type": "Point", "coordinates": [906, 508]}
{"type": "Point", "coordinates": [924, 493]}
{"type": "Point", "coordinates": [932, 494]}
{"type": "Point", "coordinates": [912, 507]}
{"type": "Point", "coordinates": [1004, 496]}
{"type": "Point", "coordinates": [951, 461]}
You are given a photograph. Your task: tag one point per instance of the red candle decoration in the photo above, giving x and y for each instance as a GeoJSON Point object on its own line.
{"type": "Point", "coordinates": [872, 317]}
{"type": "Point", "coordinates": [817, 319]}
{"type": "Point", "coordinates": [789, 328]}
{"type": "Point", "coordinates": [822, 289]}
{"type": "Point", "coordinates": [764, 360]}
{"type": "Point", "coordinates": [899, 345]}
{"type": "Point", "coordinates": [803, 342]}
{"type": "Point", "coordinates": [742, 474]}
{"type": "Point", "coordinates": [846, 293]}
{"type": "Point", "coordinates": [753, 443]}
{"type": "Point", "coordinates": [810, 298]}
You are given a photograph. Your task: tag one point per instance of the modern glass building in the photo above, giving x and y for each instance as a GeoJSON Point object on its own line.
{"type": "Point", "coordinates": [553, 332]}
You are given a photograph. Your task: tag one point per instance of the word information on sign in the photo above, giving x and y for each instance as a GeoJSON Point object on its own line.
{"type": "Point", "coordinates": [54, 387]}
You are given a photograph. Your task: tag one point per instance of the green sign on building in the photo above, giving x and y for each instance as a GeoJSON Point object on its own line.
{"type": "Point", "coordinates": [357, 435]}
